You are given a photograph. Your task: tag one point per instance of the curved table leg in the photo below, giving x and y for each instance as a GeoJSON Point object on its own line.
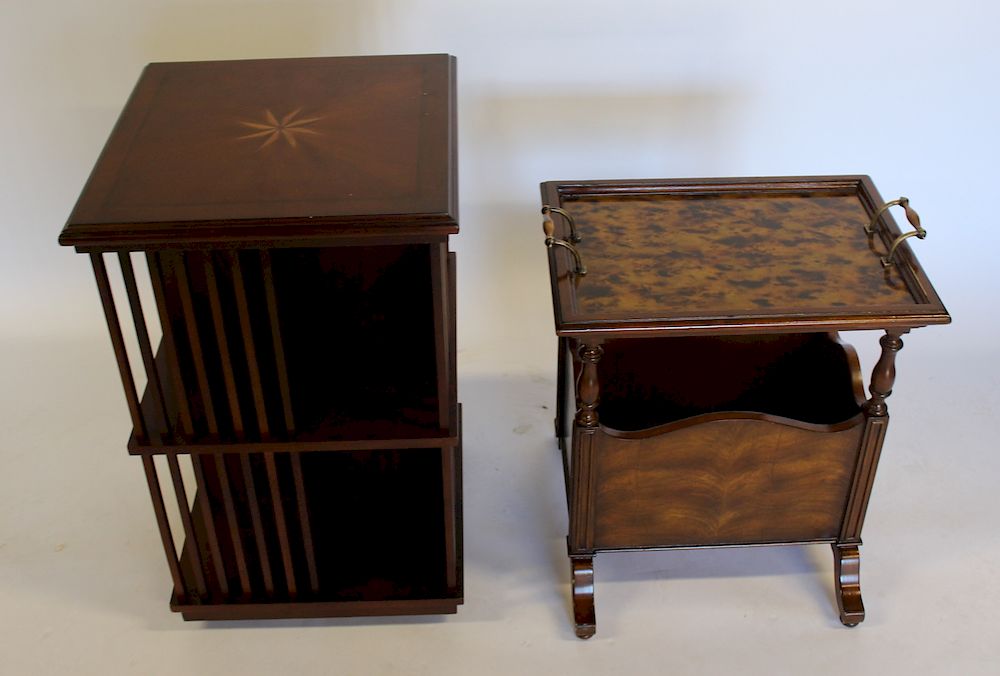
{"type": "Point", "coordinates": [583, 596]}
{"type": "Point", "coordinates": [847, 578]}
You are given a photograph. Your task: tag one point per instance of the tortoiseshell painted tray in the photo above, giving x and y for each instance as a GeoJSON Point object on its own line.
{"type": "Point", "coordinates": [721, 255]}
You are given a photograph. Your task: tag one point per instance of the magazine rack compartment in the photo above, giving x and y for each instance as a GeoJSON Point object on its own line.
{"type": "Point", "coordinates": [762, 450]}
{"type": "Point", "coordinates": [810, 378]}
{"type": "Point", "coordinates": [766, 480]}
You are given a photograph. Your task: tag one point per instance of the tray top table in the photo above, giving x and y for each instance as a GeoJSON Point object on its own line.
{"type": "Point", "coordinates": [733, 255]}
{"type": "Point", "coordinates": [704, 398]}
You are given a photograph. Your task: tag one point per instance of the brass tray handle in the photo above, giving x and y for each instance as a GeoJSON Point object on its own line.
{"type": "Point", "coordinates": [911, 216]}
{"type": "Point", "coordinates": [549, 228]}
{"type": "Point", "coordinates": [573, 237]}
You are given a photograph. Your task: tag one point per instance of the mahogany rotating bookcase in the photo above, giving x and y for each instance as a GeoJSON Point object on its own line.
{"type": "Point", "coordinates": [294, 217]}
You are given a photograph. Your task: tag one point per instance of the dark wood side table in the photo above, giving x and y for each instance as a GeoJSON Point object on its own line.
{"type": "Point", "coordinates": [704, 397]}
{"type": "Point", "coordinates": [294, 217]}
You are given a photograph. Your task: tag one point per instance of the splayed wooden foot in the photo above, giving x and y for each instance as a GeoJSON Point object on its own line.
{"type": "Point", "coordinates": [583, 597]}
{"type": "Point", "coordinates": [847, 578]}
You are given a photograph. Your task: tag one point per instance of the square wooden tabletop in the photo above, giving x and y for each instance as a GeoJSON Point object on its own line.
{"type": "Point", "coordinates": [276, 149]}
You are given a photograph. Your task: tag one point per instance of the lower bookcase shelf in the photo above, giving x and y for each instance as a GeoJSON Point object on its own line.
{"type": "Point", "coordinates": [321, 533]}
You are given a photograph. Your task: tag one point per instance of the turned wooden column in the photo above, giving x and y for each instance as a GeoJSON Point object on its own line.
{"type": "Point", "coordinates": [587, 387]}
{"type": "Point", "coordinates": [884, 373]}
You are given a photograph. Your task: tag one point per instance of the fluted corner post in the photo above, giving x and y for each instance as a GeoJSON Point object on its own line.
{"type": "Point", "coordinates": [876, 424]}
{"type": "Point", "coordinates": [581, 516]}
{"type": "Point", "coordinates": [847, 557]}
{"type": "Point", "coordinates": [581, 513]}
{"type": "Point", "coordinates": [581, 530]}
{"type": "Point", "coordinates": [884, 373]}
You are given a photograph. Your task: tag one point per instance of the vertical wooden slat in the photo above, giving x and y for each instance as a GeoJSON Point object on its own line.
{"type": "Point", "coordinates": [448, 486]}
{"type": "Point", "coordinates": [142, 333]}
{"type": "Point", "coordinates": [222, 343]}
{"type": "Point", "coordinates": [450, 480]}
{"type": "Point", "coordinates": [453, 339]}
{"type": "Point", "coordinates": [258, 524]}
{"type": "Point", "coordinates": [201, 375]}
{"type": "Point", "coordinates": [459, 525]}
{"type": "Point", "coordinates": [286, 401]}
{"type": "Point", "coordinates": [234, 526]}
{"type": "Point", "coordinates": [280, 524]}
{"type": "Point", "coordinates": [118, 342]}
{"type": "Point", "coordinates": [232, 396]}
{"type": "Point", "coordinates": [194, 340]}
{"type": "Point", "coordinates": [191, 542]}
{"type": "Point", "coordinates": [165, 535]}
{"type": "Point", "coordinates": [442, 317]}
{"type": "Point", "coordinates": [201, 495]}
{"type": "Point", "coordinates": [169, 341]}
{"type": "Point", "coordinates": [243, 310]}
{"type": "Point", "coordinates": [300, 496]}
{"type": "Point", "coordinates": [279, 350]}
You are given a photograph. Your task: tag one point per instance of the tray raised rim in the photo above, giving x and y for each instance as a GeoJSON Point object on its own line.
{"type": "Point", "coordinates": [771, 320]}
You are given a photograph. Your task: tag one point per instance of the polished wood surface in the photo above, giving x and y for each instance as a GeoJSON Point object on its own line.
{"type": "Point", "coordinates": [277, 149]}
{"type": "Point", "coordinates": [703, 399]}
{"type": "Point", "coordinates": [715, 480]}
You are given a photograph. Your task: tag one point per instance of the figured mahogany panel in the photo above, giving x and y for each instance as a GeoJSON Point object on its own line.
{"type": "Point", "coordinates": [716, 480]}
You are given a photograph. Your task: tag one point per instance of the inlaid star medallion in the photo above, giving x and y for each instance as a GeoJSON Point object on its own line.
{"type": "Point", "coordinates": [271, 129]}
